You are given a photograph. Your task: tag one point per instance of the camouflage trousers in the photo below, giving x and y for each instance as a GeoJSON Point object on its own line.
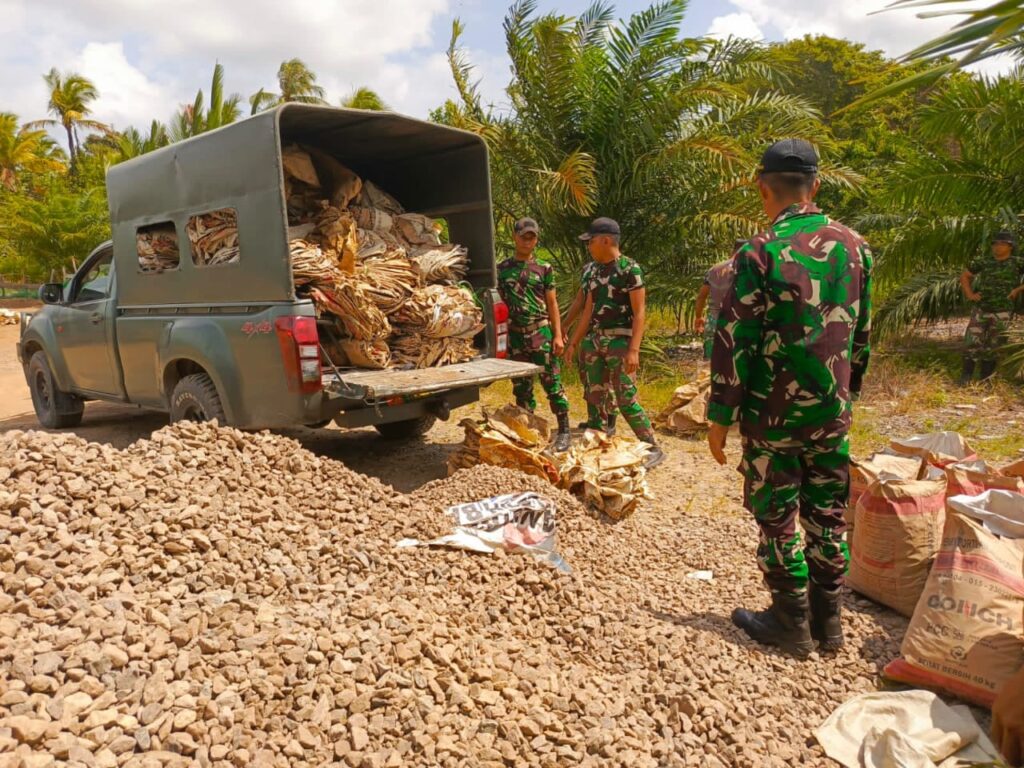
{"type": "Point", "coordinates": [986, 332]}
{"type": "Point", "coordinates": [603, 368]}
{"type": "Point", "coordinates": [595, 414]}
{"type": "Point", "coordinates": [812, 482]}
{"type": "Point", "coordinates": [535, 348]}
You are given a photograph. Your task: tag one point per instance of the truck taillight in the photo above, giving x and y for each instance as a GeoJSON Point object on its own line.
{"type": "Point", "coordinates": [300, 351]}
{"type": "Point", "coordinates": [501, 329]}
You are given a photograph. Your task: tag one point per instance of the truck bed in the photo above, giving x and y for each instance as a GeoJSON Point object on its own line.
{"type": "Point", "coordinates": [382, 385]}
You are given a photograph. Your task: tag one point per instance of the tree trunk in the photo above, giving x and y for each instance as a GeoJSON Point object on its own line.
{"type": "Point", "coordinates": [71, 145]}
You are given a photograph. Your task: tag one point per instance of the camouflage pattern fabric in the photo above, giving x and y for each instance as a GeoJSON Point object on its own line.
{"type": "Point", "coordinates": [791, 341]}
{"type": "Point", "coordinates": [535, 347]}
{"type": "Point", "coordinates": [610, 285]}
{"type": "Point", "coordinates": [781, 483]}
{"type": "Point", "coordinates": [523, 286]}
{"type": "Point", "coordinates": [595, 414]}
{"type": "Point", "coordinates": [986, 333]}
{"type": "Point", "coordinates": [994, 279]}
{"type": "Point", "coordinates": [718, 280]}
{"type": "Point", "coordinates": [603, 358]}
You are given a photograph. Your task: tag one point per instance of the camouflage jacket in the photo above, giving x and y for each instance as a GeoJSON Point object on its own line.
{"type": "Point", "coordinates": [791, 340]}
{"type": "Point", "coordinates": [994, 280]}
{"type": "Point", "coordinates": [610, 285]}
{"type": "Point", "coordinates": [523, 285]}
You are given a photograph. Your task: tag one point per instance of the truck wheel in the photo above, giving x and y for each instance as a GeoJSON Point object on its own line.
{"type": "Point", "coordinates": [402, 430]}
{"type": "Point", "coordinates": [55, 408]}
{"type": "Point", "coordinates": [195, 398]}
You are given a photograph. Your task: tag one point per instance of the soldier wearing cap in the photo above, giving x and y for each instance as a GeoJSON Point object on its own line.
{"type": "Point", "coordinates": [611, 329]}
{"type": "Point", "coordinates": [992, 282]}
{"type": "Point", "coordinates": [535, 334]}
{"type": "Point", "coordinates": [788, 357]}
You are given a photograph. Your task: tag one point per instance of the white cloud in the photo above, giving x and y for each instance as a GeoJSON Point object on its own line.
{"type": "Point", "coordinates": [736, 25]}
{"type": "Point", "coordinates": [147, 57]}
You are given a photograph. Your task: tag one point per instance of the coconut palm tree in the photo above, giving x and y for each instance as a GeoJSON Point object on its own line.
{"type": "Point", "coordinates": [70, 97]}
{"type": "Point", "coordinates": [24, 149]}
{"type": "Point", "coordinates": [132, 143]}
{"type": "Point", "coordinates": [195, 118]}
{"type": "Point", "coordinates": [296, 82]}
{"type": "Point", "coordinates": [628, 119]}
{"type": "Point", "coordinates": [364, 98]}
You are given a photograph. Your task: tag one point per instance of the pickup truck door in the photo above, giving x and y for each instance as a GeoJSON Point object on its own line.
{"type": "Point", "coordinates": [85, 328]}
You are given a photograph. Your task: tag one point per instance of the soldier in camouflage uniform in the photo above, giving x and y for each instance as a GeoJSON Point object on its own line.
{"type": "Point", "coordinates": [993, 283]}
{"type": "Point", "coordinates": [611, 329]}
{"type": "Point", "coordinates": [606, 413]}
{"type": "Point", "coordinates": [789, 354]}
{"type": "Point", "coordinates": [535, 333]}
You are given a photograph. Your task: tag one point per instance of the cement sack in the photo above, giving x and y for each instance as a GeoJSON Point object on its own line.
{"type": "Point", "coordinates": [896, 536]}
{"type": "Point", "coordinates": [966, 636]}
{"type": "Point", "coordinates": [972, 478]}
{"type": "Point", "coordinates": [864, 473]}
{"type": "Point", "coordinates": [938, 448]}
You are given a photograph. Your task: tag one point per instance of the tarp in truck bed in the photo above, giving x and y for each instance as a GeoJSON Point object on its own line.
{"type": "Point", "coordinates": [429, 168]}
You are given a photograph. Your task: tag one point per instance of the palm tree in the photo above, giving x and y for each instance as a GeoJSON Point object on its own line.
{"type": "Point", "coordinates": [941, 207]}
{"type": "Point", "coordinates": [628, 119]}
{"type": "Point", "coordinates": [132, 143]}
{"type": "Point", "coordinates": [194, 119]}
{"type": "Point", "coordinates": [70, 96]}
{"type": "Point", "coordinates": [296, 83]}
{"type": "Point", "coordinates": [364, 98]}
{"type": "Point", "coordinates": [24, 148]}
{"type": "Point", "coordinates": [988, 31]}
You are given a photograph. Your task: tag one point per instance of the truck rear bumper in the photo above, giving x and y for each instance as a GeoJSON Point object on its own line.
{"type": "Point", "coordinates": [385, 385]}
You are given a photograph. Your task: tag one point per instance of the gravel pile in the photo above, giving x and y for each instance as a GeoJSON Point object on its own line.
{"type": "Point", "coordinates": [209, 597]}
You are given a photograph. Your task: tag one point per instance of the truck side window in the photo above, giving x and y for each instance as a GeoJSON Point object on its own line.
{"type": "Point", "coordinates": [94, 285]}
{"type": "Point", "coordinates": [157, 246]}
{"type": "Point", "coordinates": [214, 237]}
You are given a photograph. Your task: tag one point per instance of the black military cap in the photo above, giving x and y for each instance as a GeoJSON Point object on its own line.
{"type": "Point", "coordinates": [526, 224]}
{"type": "Point", "coordinates": [1004, 236]}
{"type": "Point", "coordinates": [790, 156]}
{"type": "Point", "coordinates": [601, 226]}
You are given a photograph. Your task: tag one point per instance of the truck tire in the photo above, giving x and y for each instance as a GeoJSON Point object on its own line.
{"type": "Point", "coordinates": [195, 398]}
{"type": "Point", "coordinates": [403, 430]}
{"type": "Point", "coordinates": [55, 408]}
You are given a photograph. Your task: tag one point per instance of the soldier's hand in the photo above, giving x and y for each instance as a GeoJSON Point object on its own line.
{"type": "Point", "coordinates": [1016, 292]}
{"type": "Point", "coordinates": [717, 435]}
{"type": "Point", "coordinates": [558, 347]}
{"type": "Point", "coordinates": [632, 360]}
{"type": "Point", "coordinates": [974, 296]}
{"type": "Point", "coordinates": [569, 354]}
{"type": "Point", "coordinates": [1008, 719]}
{"type": "Point", "coordinates": [699, 324]}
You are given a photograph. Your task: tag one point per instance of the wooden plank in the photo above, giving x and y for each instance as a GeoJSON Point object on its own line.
{"type": "Point", "coordinates": [386, 384]}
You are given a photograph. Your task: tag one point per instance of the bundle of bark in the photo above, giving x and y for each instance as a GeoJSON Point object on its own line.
{"type": "Point", "coordinates": [686, 413]}
{"type": "Point", "coordinates": [510, 437]}
{"type": "Point", "coordinates": [379, 277]}
{"type": "Point", "coordinates": [607, 473]}
{"type": "Point", "coordinates": [214, 237]}
{"type": "Point", "coordinates": [157, 247]}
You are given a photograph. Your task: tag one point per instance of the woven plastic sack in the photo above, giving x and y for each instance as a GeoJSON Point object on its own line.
{"type": "Point", "coordinates": [966, 636]}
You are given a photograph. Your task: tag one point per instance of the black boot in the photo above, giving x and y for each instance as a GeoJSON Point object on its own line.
{"type": "Point", "coordinates": [968, 372]}
{"type": "Point", "coordinates": [654, 456]}
{"type": "Point", "coordinates": [610, 425]}
{"type": "Point", "coordinates": [562, 438]}
{"type": "Point", "coordinates": [988, 367]}
{"type": "Point", "coordinates": [524, 406]}
{"type": "Point", "coordinates": [826, 617]}
{"type": "Point", "coordinates": [784, 625]}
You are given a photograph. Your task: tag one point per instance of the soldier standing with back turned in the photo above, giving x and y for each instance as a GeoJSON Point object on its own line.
{"type": "Point", "coordinates": [788, 358]}
{"type": "Point", "coordinates": [535, 333]}
{"type": "Point", "coordinates": [992, 282]}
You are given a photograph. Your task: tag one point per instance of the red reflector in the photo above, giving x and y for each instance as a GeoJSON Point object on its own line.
{"type": "Point", "coordinates": [500, 312]}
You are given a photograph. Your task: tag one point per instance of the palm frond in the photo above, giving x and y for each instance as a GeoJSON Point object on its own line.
{"type": "Point", "coordinates": [928, 297]}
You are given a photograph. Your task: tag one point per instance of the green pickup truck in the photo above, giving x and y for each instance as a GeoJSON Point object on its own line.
{"type": "Point", "coordinates": [233, 342]}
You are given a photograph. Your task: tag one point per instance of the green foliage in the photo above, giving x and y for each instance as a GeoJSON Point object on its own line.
{"type": "Point", "coordinates": [364, 98]}
{"type": "Point", "coordinates": [195, 118]}
{"type": "Point", "coordinates": [24, 149]}
{"type": "Point", "coordinates": [70, 97]}
{"type": "Point", "coordinates": [630, 120]}
{"type": "Point", "coordinates": [296, 83]}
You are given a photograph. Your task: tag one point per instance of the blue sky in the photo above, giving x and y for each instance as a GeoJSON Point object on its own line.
{"type": "Point", "coordinates": [147, 57]}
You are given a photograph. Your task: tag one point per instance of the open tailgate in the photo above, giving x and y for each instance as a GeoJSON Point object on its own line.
{"type": "Point", "coordinates": [381, 385]}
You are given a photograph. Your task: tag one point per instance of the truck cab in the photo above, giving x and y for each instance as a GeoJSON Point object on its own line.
{"type": "Point", "coordinates": [236, 342]}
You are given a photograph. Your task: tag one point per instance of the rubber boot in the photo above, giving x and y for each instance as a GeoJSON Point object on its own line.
{"type": "Point", "coordinates": [785, 624]}
{"type": "Point", "coordinates": [610, 425]}
{"type": "Point", "coordinates": [968, 372]}
{"type": "Point", "coordinates": [654, 456]}
{"type": "Point", "coordinates": [562, 438]}
{"type": "Point", "coordinates": [988, 367]}
{"type": "Point", "coordinates": [826, 617]}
